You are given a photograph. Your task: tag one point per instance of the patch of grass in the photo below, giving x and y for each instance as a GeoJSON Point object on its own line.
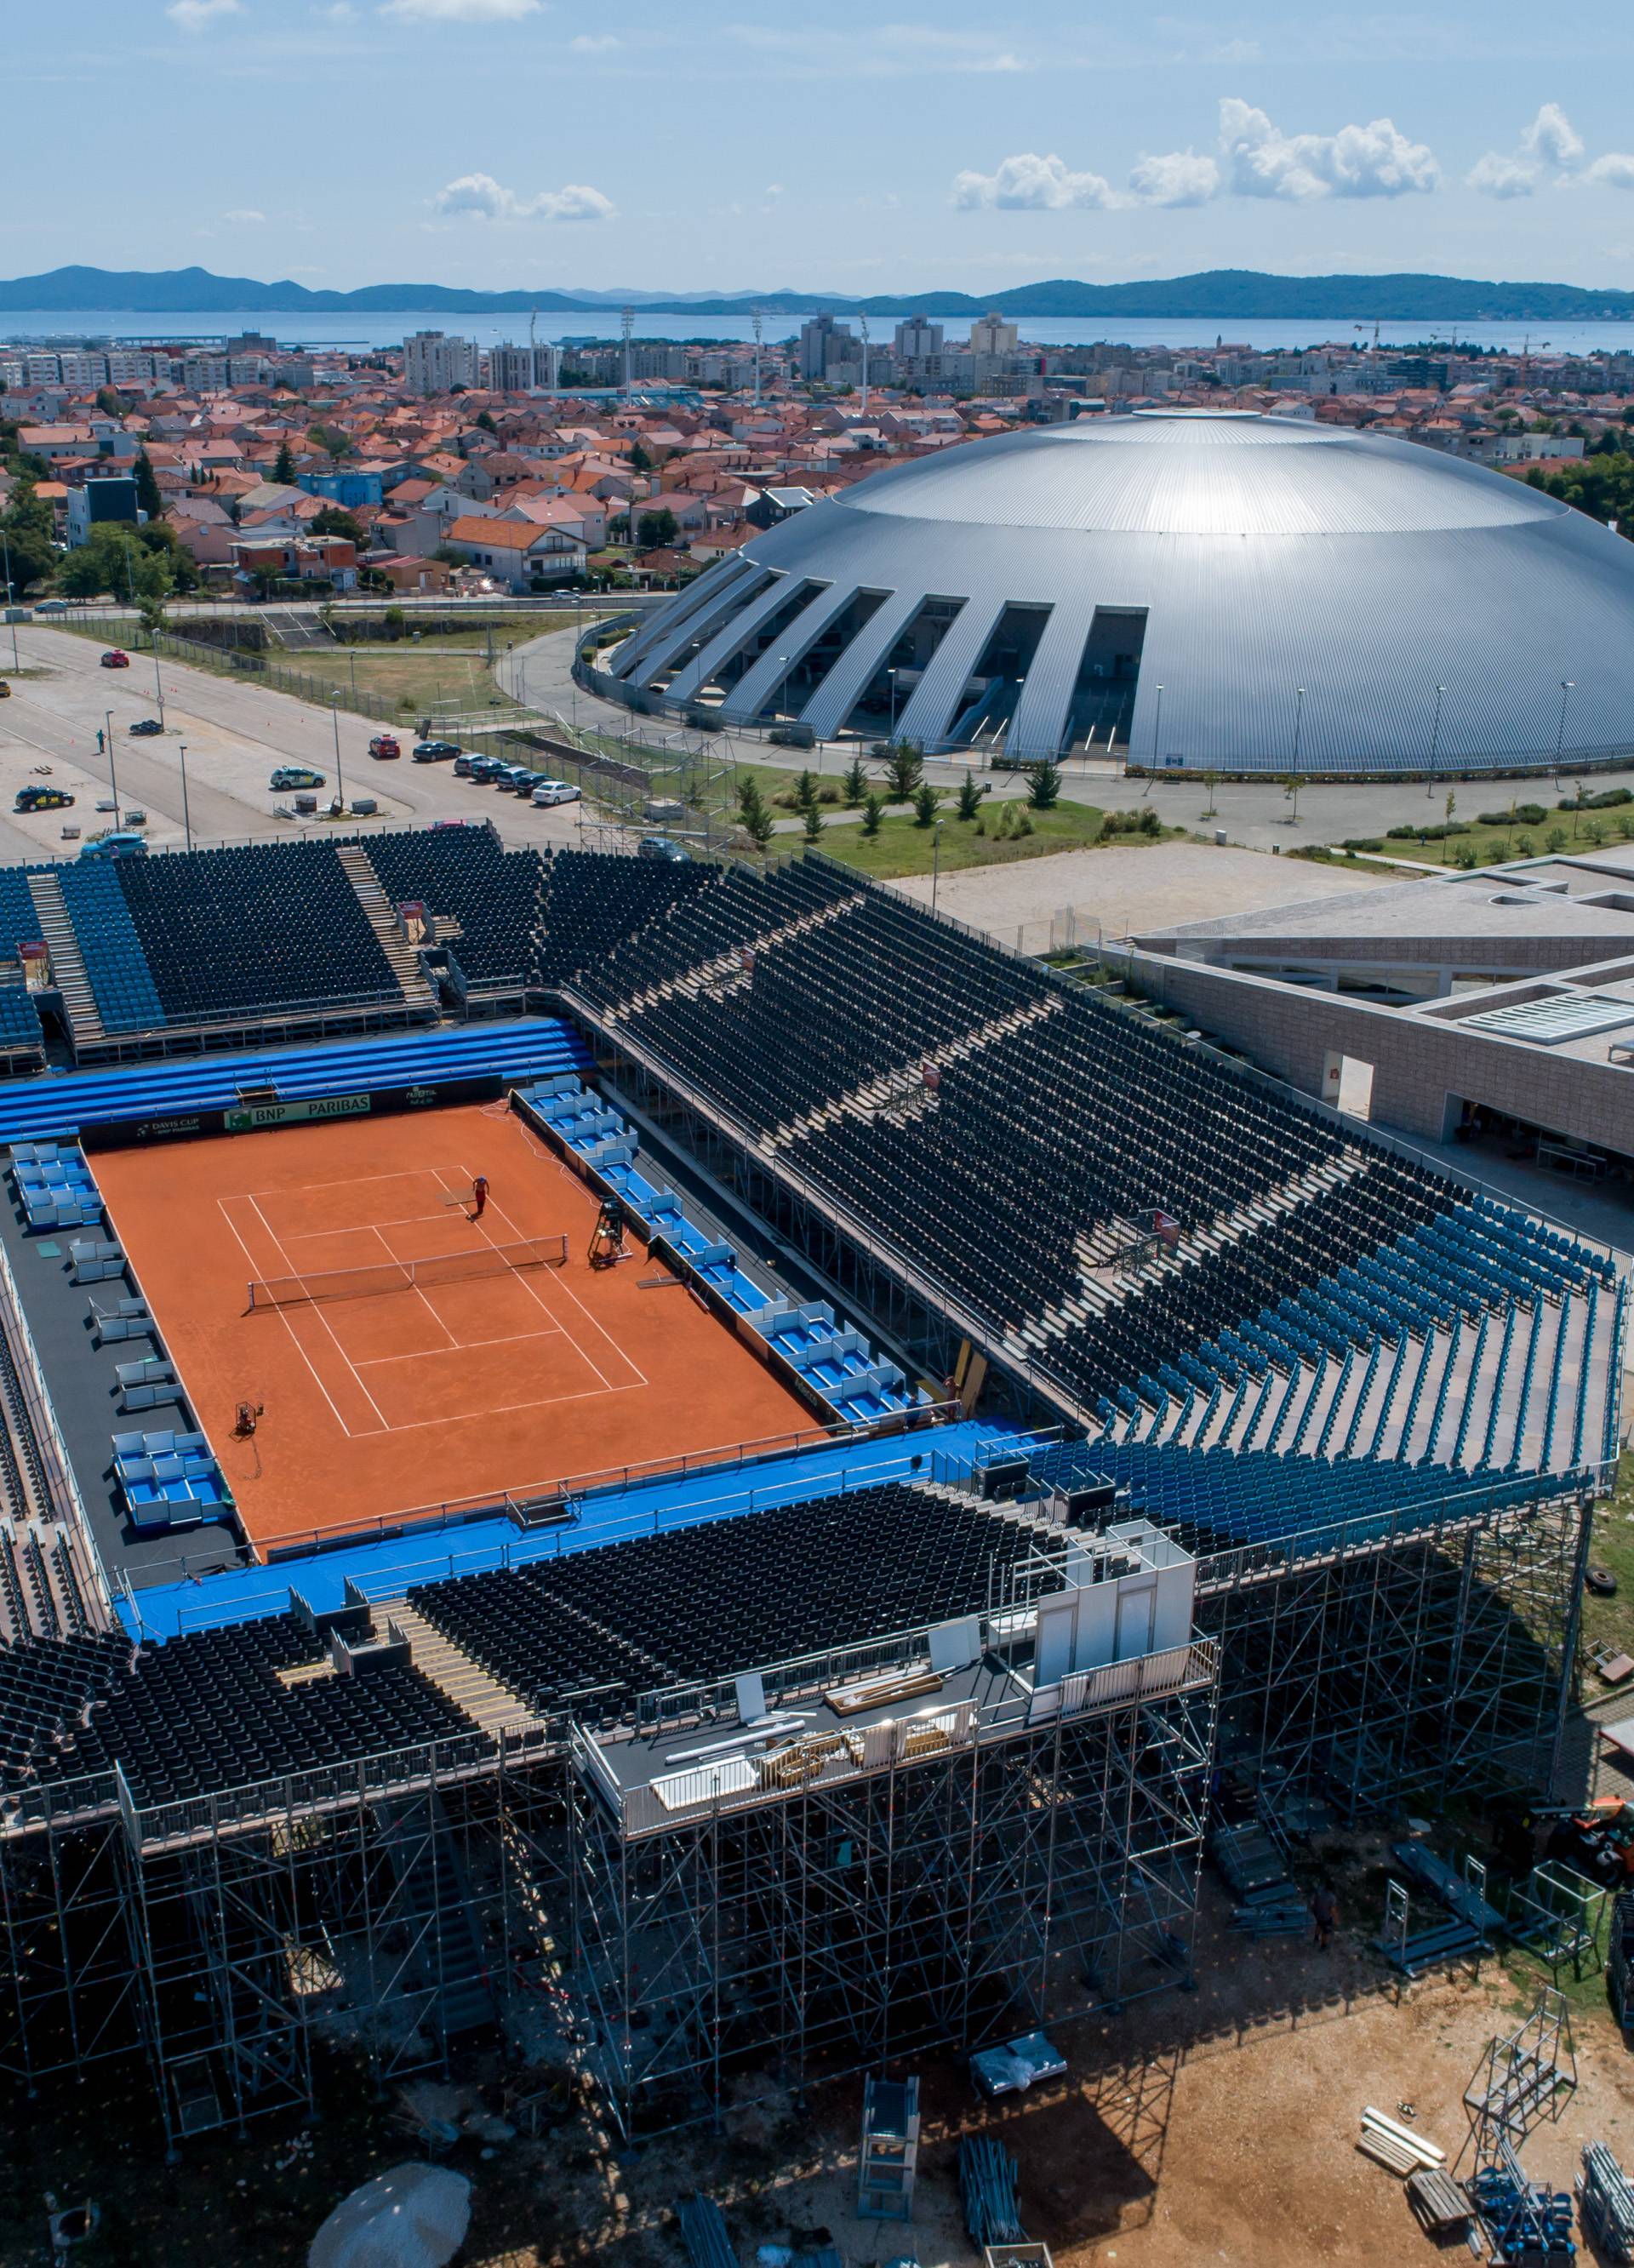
{"type": "Point", "coordinates": [902, 847]}
{"type": "Point", "coordinates": [403, 681]}
{"type": "Point", "coordinates": [1610, 1622]}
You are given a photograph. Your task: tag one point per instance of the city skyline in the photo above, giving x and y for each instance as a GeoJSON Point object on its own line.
{"type": "Point", "coordinates": [924, 153]}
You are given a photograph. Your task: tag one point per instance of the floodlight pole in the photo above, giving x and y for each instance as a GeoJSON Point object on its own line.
{"type": "Point", "coordinates": [186, 823]}
{"type": "Point", "coordinates": [340, 778]}
{"type": "Point", "coordinates": [1157, 727]}
{"type": "Point", "coordinates": [935, 865]}
{"type": "Point", "coordinates": [1567, 686]}
{"type": "Point", "coordinates": [112, 775]}
{"type": "Point", "coordinates": [1435, 739]}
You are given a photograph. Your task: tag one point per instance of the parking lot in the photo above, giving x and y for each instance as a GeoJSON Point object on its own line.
{"type": "Point", "coordinates": [235, 733]}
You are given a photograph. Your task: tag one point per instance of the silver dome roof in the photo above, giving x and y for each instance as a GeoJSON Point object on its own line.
{"type": "Point", "coordinates": [1308, 594]}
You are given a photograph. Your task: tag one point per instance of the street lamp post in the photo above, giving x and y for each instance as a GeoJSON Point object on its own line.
{"type": "Point", "coordinates": [891, 674]}
{"type": "Point", "coordinates": [1298, 723]}
{"type": "Point", "coordinates": [340, 780]}
{"type": "Point", "coordinates": [1157, 726]}
{"type": "Point", "coordinates": [935, 865]}
{"type": "Point", "coordinates": [112, 775]}
{"type": "Point", "coordinates": [1435, 739]}
{"type": "Point", "coordinates": [1567, 686]}
{"type": "Point", "coordinates": [187, 823]}
{"type": "Point", "coordinates": [159, 689]}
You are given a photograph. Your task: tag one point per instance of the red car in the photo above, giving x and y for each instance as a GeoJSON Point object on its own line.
{"type": "Point", "coordinates": [115, 659]}
{"type": "Point", "coordinates": [384, 745]}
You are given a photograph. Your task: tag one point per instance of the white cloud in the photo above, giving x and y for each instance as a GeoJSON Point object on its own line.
{"type": "Point", "coordinates": [478, 196]}
{"type": "Point", "coordinates": [1029, 183]}
{"type": "Point", "coordinates": [589, 43]}
{"type": "Point", "coordinates": [1615, 169]}
{"type": "Point", "coordinates": [1495, 175]}
{"type": "Point", "coordinates": [461, 11]}
{"type": "Point", "coordinates": [1180, 177]}
{"type": "Point", "coordinates": [197, 15]}
{"type": "Point", "coordinates": [1552, 136]}
{"type": "Point", "coordinates": [1375, 160]}
{"type": "Point", "coordinates": [245, 215]}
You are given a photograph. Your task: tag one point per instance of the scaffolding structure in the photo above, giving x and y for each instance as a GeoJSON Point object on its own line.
{"type": "Point", "coordinates": [834, 1926]}
{"type": "Point", "coordinates": [1438, 1654]}
{"type": "Point", "coordinates": [379, 1910]}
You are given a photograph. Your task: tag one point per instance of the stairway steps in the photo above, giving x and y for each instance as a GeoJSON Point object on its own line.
{"type": "Point", "coordinates": [359, 869]}
{"type": "Point", "coordinates": [68, 967]}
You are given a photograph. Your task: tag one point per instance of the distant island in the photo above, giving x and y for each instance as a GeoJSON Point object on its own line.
{"type": "Point", "coordinates": [1216, 295]}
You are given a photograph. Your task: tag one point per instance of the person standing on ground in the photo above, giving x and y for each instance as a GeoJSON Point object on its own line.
{"type": "Point", "coordinates": [479, 1196]}
{"type": "Point", "coordinates": [1324, 1916]}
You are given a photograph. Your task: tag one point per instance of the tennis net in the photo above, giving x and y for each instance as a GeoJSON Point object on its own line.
{"type": "Point", "coordinates": [425, 1274]}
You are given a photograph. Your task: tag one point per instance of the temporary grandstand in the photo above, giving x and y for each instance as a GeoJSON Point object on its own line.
{"type": "Point", "coordinates": [1141, 1415]}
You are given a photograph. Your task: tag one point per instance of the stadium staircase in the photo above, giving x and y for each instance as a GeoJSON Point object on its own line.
{"type": "Point", "coordinates": [405, 962]}
{"type": "Point", "coordinates": [904, 1083]}
{"type": "Point", "coordinates": [463, 1681]}
{"type": "Point", "coordinates": [68, 966]}
{"type": "Point", "coordinates": [708, 975]}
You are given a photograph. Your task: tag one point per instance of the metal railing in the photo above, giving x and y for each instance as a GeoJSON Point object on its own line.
{"type": "Point", "coordinates": [61, 1481]}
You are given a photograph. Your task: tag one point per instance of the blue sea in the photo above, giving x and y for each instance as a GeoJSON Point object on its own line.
{"type": "Point", "coordinates": [361, 332]}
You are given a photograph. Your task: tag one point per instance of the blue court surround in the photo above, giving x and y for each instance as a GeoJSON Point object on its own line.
{"type": "Point", "coordinates": [609, 1516]}
{"type": "Point", "coordinates": [180, 1086]}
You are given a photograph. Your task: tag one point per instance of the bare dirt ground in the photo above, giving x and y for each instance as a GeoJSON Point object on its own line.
{"type": "Point", "coordinates": [1127, 889]}
{"type": "Point", "coordinates": [1217, 2127]}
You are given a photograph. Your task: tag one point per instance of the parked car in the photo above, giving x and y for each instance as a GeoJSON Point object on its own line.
{"type": "Point", "coordinates": [145, 727]}
{"type": "Point", "coordinates": [5, 689]}
{"type": "Point", "coordinates": [118, 845]}
{"type": "Point", "coordinates": [659, 846]}
{"type": "Point", "coordinates": [437, 825]}
{"type": "Point", "coordinates": [115, 658]}
{"type": "Point", "coordinates": [523, 782]}
{"type": "Point", "coordinates": [434, 752]}
{"type": "Point", "coordinates": [294, 776]}
{"type": "Point", "coordinates": [463, 763]}
{"type": "Point", "coordinates": [486, 768]}
{"type": "Point", "coordinates": [555, 791]}
{"type": "Point", "coordinates": [384, 745]}
{"type": "Point", "coordinates": [42, 798]}
{"type": "Point", "coordinates": [52, 607]}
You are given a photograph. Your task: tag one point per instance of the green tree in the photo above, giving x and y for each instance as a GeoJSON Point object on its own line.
{"type": "Point", "coordinates": [856, 782]}
{"type": "Point", "coordinates": [108, 402]}
{"type": "Point", "coordinates": [904, 769]}
{"type": "Point", "coordinates": [28, 531]}
{"type": "Point", "coordinates": [1450, 805]}
{"type": "Point", "coordinates": [969, 797]}
{"type": "Point", "coordinates": [813, 818]}
{"type": "Point", "coordinates": [148, 498]}
{"type": "Point", "coordinates": [1210, 780]}
{"type": "Point", "coordinates": [655, 529]}
{"type": "Point", "coordinates": [331, 440]}
{"type": "Point", "coordinates": [924, 805]}
{"type": "Point", "coordinates": [758, 823]}
{"type": "Point", "coordinates": [806, 791]}
{"type": "Point", "coordinates": [1556, 839]}
{"type": "Point", "coordinates": [873, 812]}
{"type": "Point", "coordinates": [640, 460]}
{"type": "Point", "coordinates": [1043, 791]}
{"type": "Point", "coordinates": [283, 464]}
{"type": "Point", "coordinates": [333, 520]}
{"type": "Point", "coordinates": [394, 623]}
{"type": "Point", "coordinates": [485, 419]}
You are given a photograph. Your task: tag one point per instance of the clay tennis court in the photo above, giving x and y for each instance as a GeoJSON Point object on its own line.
{"type": "Point", "coordinates": [395, 1389]}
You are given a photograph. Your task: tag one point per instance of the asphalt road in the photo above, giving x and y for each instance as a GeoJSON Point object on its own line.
{"type": "Point", "coordinates": [1258, 814]}
{"type": "Point", "coordinates": [234, 731]}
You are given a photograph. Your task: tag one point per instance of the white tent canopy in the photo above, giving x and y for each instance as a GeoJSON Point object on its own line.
{"type": "Point", "coordinates": [414, 2216]}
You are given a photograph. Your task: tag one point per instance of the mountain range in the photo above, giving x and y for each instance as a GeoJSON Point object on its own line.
{"type": "Point", "coordinates": [1216, 295]}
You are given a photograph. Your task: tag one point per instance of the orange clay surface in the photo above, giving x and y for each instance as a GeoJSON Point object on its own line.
{"type": "Point", "coordinates": [405, 1399]}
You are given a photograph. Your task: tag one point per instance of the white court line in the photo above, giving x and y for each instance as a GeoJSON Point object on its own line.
{"type": "Point", "coordinates": [606, 1336]}
{"type": "Point", "coordinates": [508, 1409]}
{"type": "Point", "coordinates": [545, 1304]}
{"type": "Point", "coordinates": [288, 1325]}
{"type": "Point", "coordinates": [468, 1346]}
{"type": "Point", "coordinates": [395, 1260]}
{"type": "Point", "coordinates": [323, 1319]}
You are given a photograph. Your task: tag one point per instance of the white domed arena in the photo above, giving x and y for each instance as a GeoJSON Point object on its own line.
{"type": "Point", "coordinates": [1190, 591]}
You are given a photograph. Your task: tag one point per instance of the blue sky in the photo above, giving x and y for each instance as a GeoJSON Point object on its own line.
{"type": "Point", "coordinates": [508, 143]}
